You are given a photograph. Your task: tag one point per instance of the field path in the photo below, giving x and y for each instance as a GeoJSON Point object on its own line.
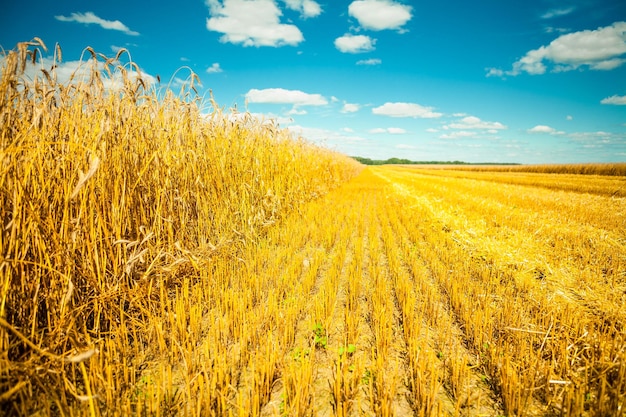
{"type": "Point", "coordinates": [409, 294]}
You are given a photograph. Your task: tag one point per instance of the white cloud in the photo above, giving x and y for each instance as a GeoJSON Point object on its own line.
{"type": "Point", "coordinates": [431, 130]}
{"type": "Point", "coordinates": [458, 135]}
{"type": "Point", "coordinates": [390, 130]}
{"type": "Point", "coordinates": [264, 118]}
{"type": "Point", "coordinates": [551, 29]}
{"type": "Point", "coordinates": [495, 72]}
{"type": "Point", "coordinates": [177, 82]}
{"type": "Point", "coordinates": [90, 18]}
{"type": "Point", "coordinates": [599, 49]}
{"type": "Point", "coordinates": [558, 12]}
{"type": "Point", "coordinates": [80, 71]}
{"type": "Point", "coordinates": [600, 139]}
{"type": "Point", "coordinates": [606, 65]}
{"type": "Point", "coordinates": [324, 136]}
{"type": "Point", "coordinates": [354, 44]}
{"type": "Point", "coordinates": [380, 14]}
{"type": "Point", "coordinates": [281, 96]}
{"type": "Point", "coordinates": [406, 110]}
{"type": "Point", "coordinates": [405, 146]}
{"type": "Point", "coordinates": [473, 122]}
{"type": "Point", "coordinates": [569, 117]}
{"type": "Point", "coordinates": [617, 100]}
{"type": "Point", "coordinates": [282, 121]}
{"type": "Point", "coordinates": [347, 129]}
{"type": "Point", "coordinates": [350, 108]}
{"type": "Point", "coordinates": [307, 8]}
{"type": "Point", "coordinates": [532, 62]}
{"type": "Point", "coordinates": [251, 23]}
{"type": "Point", "coordinates": [215, 68]}
{"type": "Point", "coordinates": [371, 61]}
{"type": "Point", "coordinates": [295, 111]}
{"type": "Point", "coordinates": [545, 129]}
{"type": "Point", "coordinates": [541, 129]}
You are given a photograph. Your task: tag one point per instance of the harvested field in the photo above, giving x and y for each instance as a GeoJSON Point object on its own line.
{"type": "Point", "coordinates": [211, 268]}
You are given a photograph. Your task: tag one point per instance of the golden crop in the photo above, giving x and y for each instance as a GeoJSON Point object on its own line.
{"type": "Point", "coordinates": [124, 213]}
{"type": "Point", "coordinates": [617, 169]}
{"type": "Point", "coordinates": [157, 261]}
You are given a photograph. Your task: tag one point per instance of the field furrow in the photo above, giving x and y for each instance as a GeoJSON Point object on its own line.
{"type": "Point", "coordinates": [432, 329]}
{"type": "Point", "coordinates": [589, 258]}
{"type": "Point", "coordinates": [525, 329]}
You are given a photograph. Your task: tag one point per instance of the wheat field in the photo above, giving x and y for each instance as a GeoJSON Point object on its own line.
{"type": "Point", "coordinates": [158, 260]}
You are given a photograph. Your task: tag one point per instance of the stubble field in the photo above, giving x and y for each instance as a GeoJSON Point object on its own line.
{"type": "Point", "coordinates": [416, 292]}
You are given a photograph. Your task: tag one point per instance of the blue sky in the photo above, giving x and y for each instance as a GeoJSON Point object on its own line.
{"type": "Point", "coordinates": [539, 81]}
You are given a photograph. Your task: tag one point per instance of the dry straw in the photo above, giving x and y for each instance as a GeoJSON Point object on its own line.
{"type": "Point", "coordinates": [115, 197]}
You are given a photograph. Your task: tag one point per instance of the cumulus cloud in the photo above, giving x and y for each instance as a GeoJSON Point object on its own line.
{"type": "Point", "coordinates": [295, 111]}
{"type": "Point", "coordinates": [473, 122]}
{"type": "Point", "coordinates": [307, 8]}
{"type": "Point", "coordinates": [371, 61]}
{"type": "Point", "coordinates": [354, 44]}
{"type": "Point", "coordinates": [282, 96]}
{"type": "Point", "coordinates": [541, 129]}
{"type": "Point", "coordinates": [495, 72]}
{"type": "Point", "coordinates": [617, 100]}
{"type": "Point", "coordinates": [251, 23]}
{"type": "Point", "coordinates": [458, 135]}
{"type": "Point", "coordinates": [90, 18]}
{"type": "Point", "coordinates": [406, 110]}
{"type": "Point", "coordinates": [325, 136]}
{"type": "Point", "coordinates": [215, 68]}
{"type": "Point", "coordinates": [600, 49]}
{"type": "Point", "coordinates": [545, 129]}
{"type": "Point", "coordinates": [350, 108]}
{"type": "Point", "coordinates": [80, 71]}
{"type": "Point", "coordinates": [265, 118]}
{"type": "Point", "coordinates": [391, 130]}
{"type": "Point", "coordinates": [380, 14]}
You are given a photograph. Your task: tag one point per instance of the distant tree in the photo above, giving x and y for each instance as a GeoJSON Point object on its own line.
{"type": "Point", "coordinates": [399, 161]}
